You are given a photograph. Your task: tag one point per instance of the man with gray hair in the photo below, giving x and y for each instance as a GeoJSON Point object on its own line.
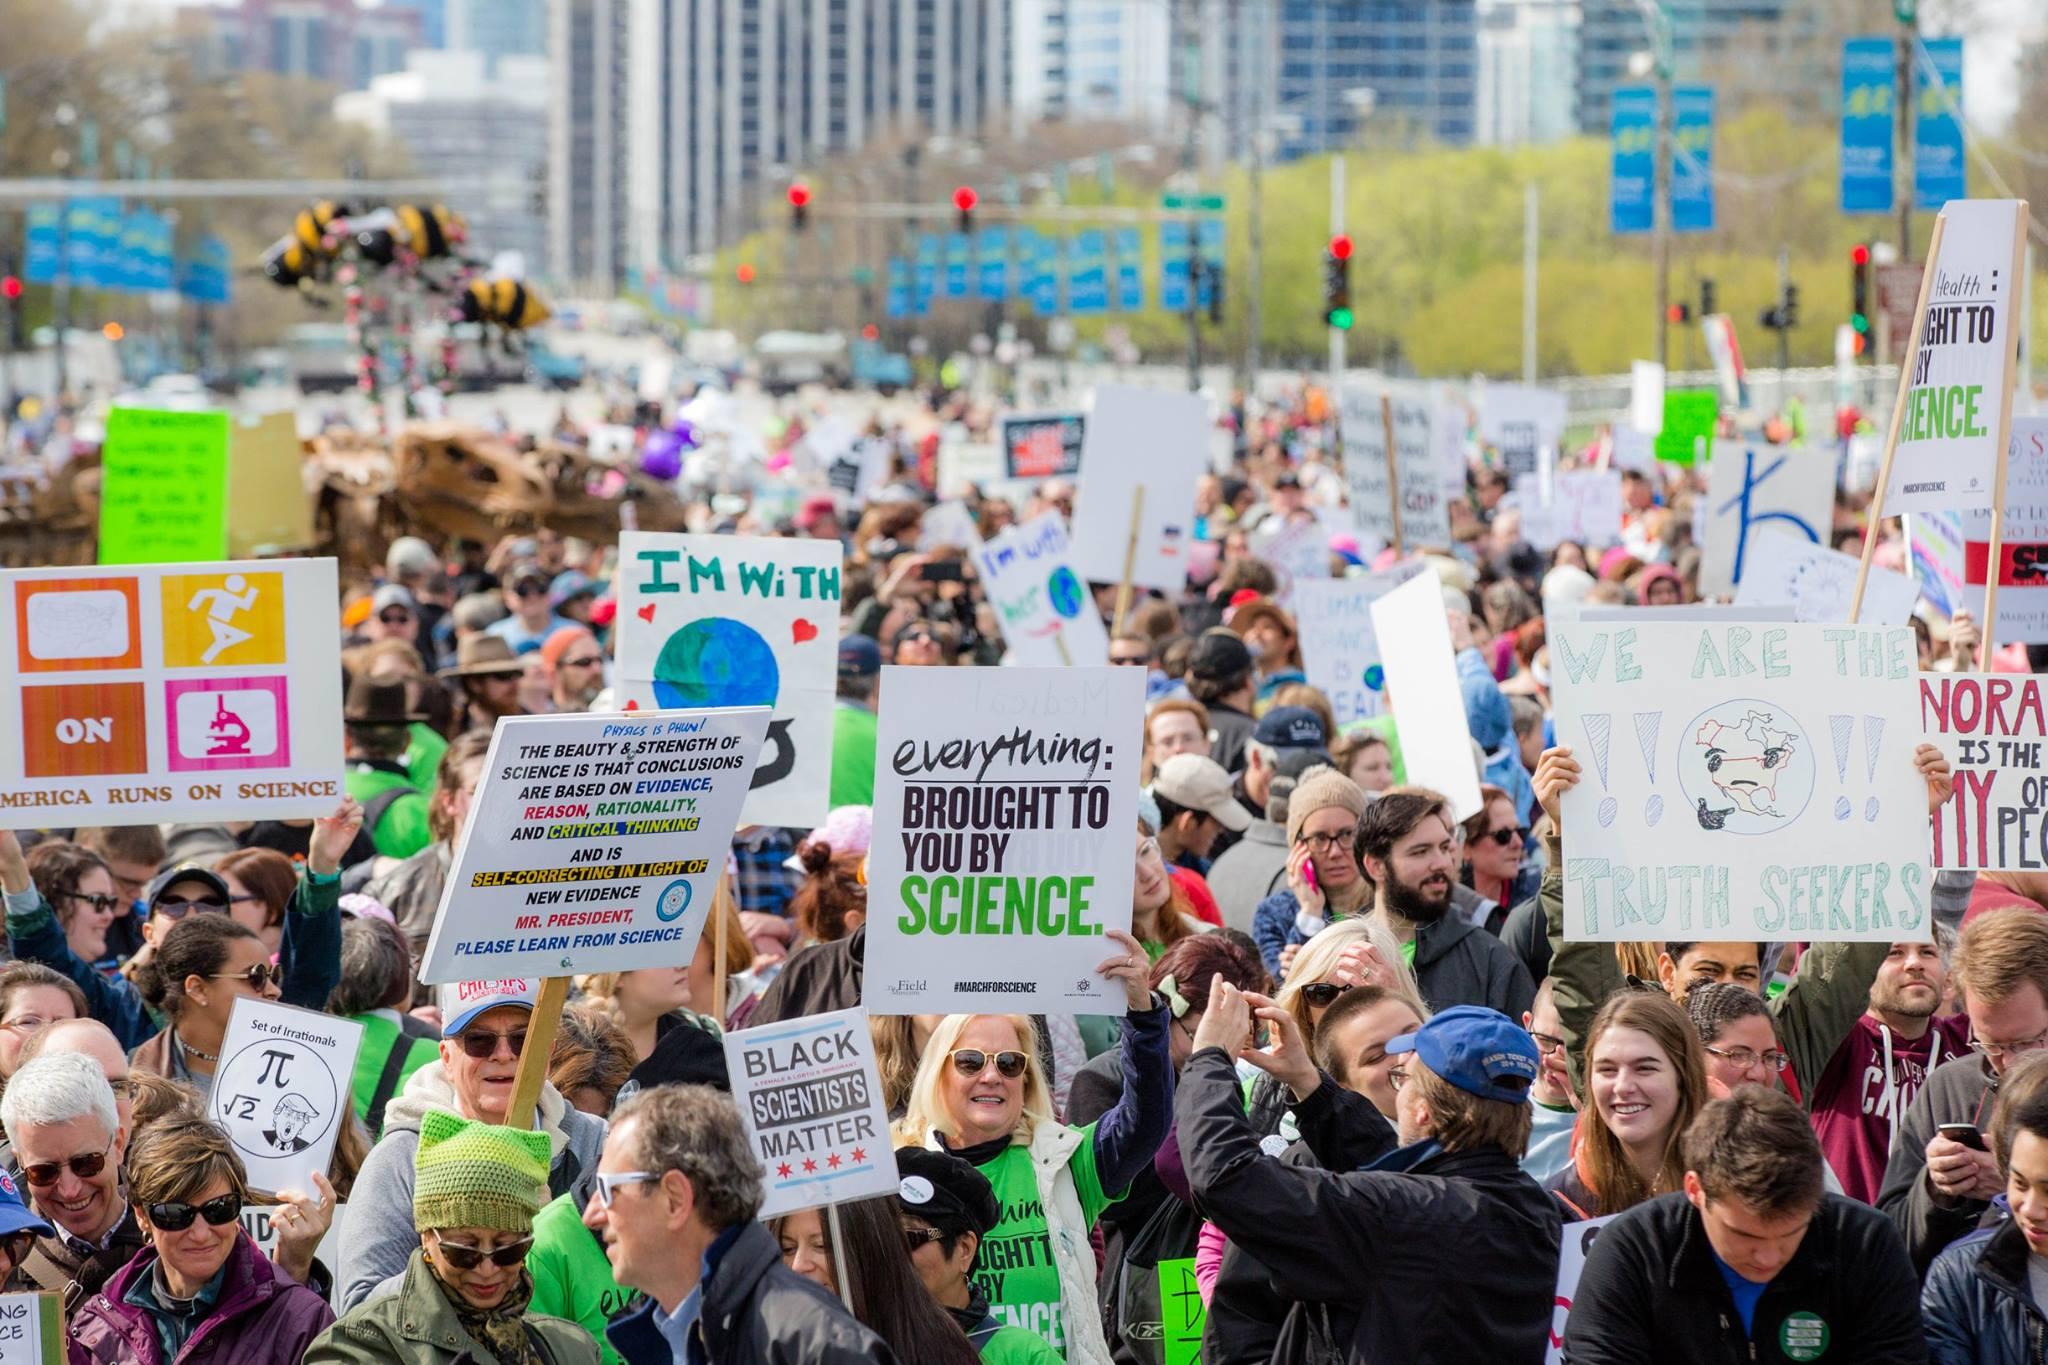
{"type": "Point", "coordinates": [60, 1116]}
{"type": "Point", "coordinates": [678, 1191]}
{"type": "Point", "coordinates": [86, 1038]}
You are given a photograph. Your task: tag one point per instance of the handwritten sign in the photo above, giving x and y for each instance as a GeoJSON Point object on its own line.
{"type": "Point", "coordinates": [810, 1098]}
{"type": "Point", "coordinates": [1181, 1311]}
{"type": "Point", "coordinates": [282, 1092]}
{"type": "Point", "coordinates": [1425, 519]}
{"type": "Point", "coordinates": [1819, 583]}
{"type": "Point", "coordinates": [1751, 490]}
{"type": "Point", "coordinates": [1936, 543]}
{"type": "Point", "coordinates": [1687, 434]}
{"type": "Point", "coordinates": [1005, 815]}
{"type": "Point", "coordinates": [268, 509]}
{"type": "Point", "coordinates": [1519, 421]}
{"type": "Point", "coordinates": [1339, 650]}
{"type": "Point", "coordinates": [1584, 505]}
{"type": "Point", "coordinates": [1577, 1243]}
{"type": "Point", "coordinates": [1991, 727]}
{"type": "Point", "coordinates": [1047, 614]}
{"type": "Point", "coordinates": [593, 843]}
{"type": "Point", "coordinates": [1741, 782]}
{"type": "Point", "coordinates": [1422, 677]}
{"type": "Point", "coordinates": [1043, 446]}
{"type": "Point", "coordinates": [1298, 552]}
{"type": "Point", "coordinates": [163, 487]}
{"type": "Point", "coordinates": [1143, 452]}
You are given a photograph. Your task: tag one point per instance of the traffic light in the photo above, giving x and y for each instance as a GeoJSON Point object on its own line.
{"type": "Point", "coordinates": [1859, 290]}
{"type": "Point", "coordinates": [1707, 299]}
{"type": "Point", "coordinates": [1212, 271]}
{"type": "Point", "coordinates": [1783, 315]}
{"type": "Point", "coordinates": [10, 296]}
{"type": "Point", "coordinates": [745, 273]}
{"type": "Point", "coordinates": [1678, 313]}
{"type": "Point", "coordinates": [799, 206]}
{"type": "Point", "coordinates": [964, 200]}
{"type": "Point", "coordinates": [1337, 283]}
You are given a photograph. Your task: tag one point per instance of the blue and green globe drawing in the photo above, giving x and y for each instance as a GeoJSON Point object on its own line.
{"type": "Point", "coordinates": [716, 661]}
{"type": "Point", "coordinates": [1066, 593]}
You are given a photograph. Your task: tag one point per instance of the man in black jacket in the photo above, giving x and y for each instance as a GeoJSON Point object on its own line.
{"type": "Point", "coordinates": [1754, 1261]}
{"type": "Point", "coordinates": [1384, 1262]}
{"type": "Point", "coordinates": [676, 1204]}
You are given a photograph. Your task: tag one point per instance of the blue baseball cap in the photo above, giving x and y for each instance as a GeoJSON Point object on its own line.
{"type": "Point", "coordinates": [462, 1001]}
{"type": "Point", "coordinates": [859, 657]}
{"type": "Point", "coordinates": [14, 1214]}
{"type": "Point", "coordinates": [1481, 1051]}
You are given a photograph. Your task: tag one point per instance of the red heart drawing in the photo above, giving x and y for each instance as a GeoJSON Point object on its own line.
{"type": "Point", "coordinates": [646, 613]}
{"type": "Point", "coordinates": [803, 630]}
{"type": "Point", "coordinates": [632, 704]}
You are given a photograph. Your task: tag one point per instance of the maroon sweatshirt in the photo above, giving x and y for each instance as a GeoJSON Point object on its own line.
{"type": "Point", "coordinates": [1857, 1107]}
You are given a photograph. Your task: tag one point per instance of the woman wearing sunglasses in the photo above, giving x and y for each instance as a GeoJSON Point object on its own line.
{"type": "Point", "coordinates": [980, 1094]}
{"type": "Point", "coordinates": [466, 1290]}
{"type": "Point", "coordinates": [1350, 953]}
{"type": "Point", "coordinates": [200, 1292]}
{"type": "Point", "coordinates": [202, 966]}
{"type": "Point", "coordinates": [59, 905]}
{"type": "Point", "coordinates": [1494, 872]}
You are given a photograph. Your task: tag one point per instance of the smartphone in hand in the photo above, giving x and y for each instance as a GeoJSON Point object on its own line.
{"type": "Point", "coordinates": [1965, 1133]}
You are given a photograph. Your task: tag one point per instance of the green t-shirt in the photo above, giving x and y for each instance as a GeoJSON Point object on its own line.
{"type": "Point", "coordinates": [572, 1277]}
{"type": "Point", "coordinates": [853, 755]}
{"type": "Point", "coordinates": [1015, 1268]}
{"type": "Point", "coordinates": [1408, 952]}
{"type": "Point", "coordinates": [423, 756]}
{"type": "Point", "coordinates": [1015, 1346]}
{"type": "Point", "coordinates": [380, 1036]}
{"type": "Point", "coordinates": [402, 830]}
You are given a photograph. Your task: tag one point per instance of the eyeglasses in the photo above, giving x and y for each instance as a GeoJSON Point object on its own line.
{"type": "Point", "coordinates": [1323, 994]}
{"type": "Point", "coordinates": [395, 618]}
{"type": "Point", "coordinates": [105, 905]}
{"type": "Point", "coordinates": [972, 1061]}
{"type": "Point", "coordinates": [244, 898]}
{"type": "Point", "coordinates": [1397, 1077]}
{"type": "Point", "coordinates": [1148, 849]}
{"type": "Point", "coordinates": [913, 1238]}
{"type": "Point", "coordinates": [1744, 1058]}
{"type": "Point", "coordinates": [1998, 1050]}
{"type": "Point", "coordinates": [463, 1256]}
{"type": "Point", "coordinates": [218, 1213]}
{"type": "Point", "coordinates": [259, 977]}
{"type": "Point", "coordinates": [176, 909]}
{"type": "Point", "coordinates": [917, 637]}
{"type": "Point", "coordinates": [1503, 837]}
{"type": "Point", "coordinates": [1546, 1043]}
{"type": "Point", "coordinates": [608, 1186]}
{"type": "Point", "coordinates": [85, 1166]}
{"type": "Point", "coordinates": [1328, 843]}
{"type": "Point", "coordinates": [1139, 660]}
{"type": "Point", "coordinates": [530, 590]}
{"type": "Point", "coordinates": [482, 1044]}
{"type": "Point", "coordinates": [587, 661]}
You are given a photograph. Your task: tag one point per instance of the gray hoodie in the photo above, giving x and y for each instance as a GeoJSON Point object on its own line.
{"type": "Point", "coordinates": [378, 1237]}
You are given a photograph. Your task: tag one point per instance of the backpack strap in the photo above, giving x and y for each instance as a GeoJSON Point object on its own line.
{"type": "Point", "coordinates": [375, 808]}
{"type": "Point", "coordinates": [387, 1082]}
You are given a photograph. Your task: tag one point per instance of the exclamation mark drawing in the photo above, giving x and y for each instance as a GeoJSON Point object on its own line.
{"type": "Point", "coordinates": [1873, 740]}
{"type": "Point", "coordinates": [1839, 728]}
{"type": "Point", "coordinates": [1647, 723]}
{"type": "Point", "coordinates": [1599, 737]}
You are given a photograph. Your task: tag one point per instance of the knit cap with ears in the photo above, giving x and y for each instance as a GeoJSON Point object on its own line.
{"type": "Point", "coordinates": [1320, 788]}
{"type": "Point", "coordinates": [477, 1175]}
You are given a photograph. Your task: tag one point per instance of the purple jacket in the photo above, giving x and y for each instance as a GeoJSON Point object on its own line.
{"type": "Point", "coordinates": [263, 1317]}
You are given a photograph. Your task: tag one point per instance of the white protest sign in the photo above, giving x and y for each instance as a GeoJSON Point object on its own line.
{"type": "Point", "coordinates": [1741, 782]}
{"type": "Point", "coordinates": [719, 621]}
{"type": "Point", "coordinates": [259, 1221]}
{"type": "Point", "coordinates": [1646, 397]}
{"type": "Point", "coordinates": [593, 843]}
{"type": "Point", "coordinates": [1991, 727]}
{"type": "Point", "coordinates": [1142, 456]}
{"type": "Point", "coordinates": [1047, 614]}
{"type": "Point", "coordinates": [965, 465]}
{"type": "Point", "coordinates": [1632, 449]}
{"type": "Point", "coordinates": [1006, 809]}
{"type": "Point", "coordinates": [283, 1090]}
{"type": "Point", "coordinates": [1518, 420]}
{"type": "Point", "coordinates": [153, 693]}
{"type": "Point", "coordinates": [1960, 383]}
{"type": "Point", "coordinates": [1422, 679]}
{"type": "Point", "coordinates": [1687, 613]}
{"type": "Point", "coordinates": [2023, 550]}
{"type": "Point", "coordinates": [949, 524]}
{"type": "Point", "coordinates": [1424, 517]}
{"type": "Point", "coordinates": [1584, 506]}
{"type": "Point", "coordinates": [31, 1329]}
{"type": "Point", "coordinates": [1452, 424]}
{"type": "Point", "coordinates": [1339, 652]}
{"type": "Point", "coordinates": [1748, 490]}
{"type": "Point", "coordinates": [1935, 543]}
{"type": "Point", "coordinates": [810, 1097]}
{"type": "Point", "coordinates": [1298, 552]}
{"type": "Point", "coordinates": [1575, 1245]}
{"type": "Point", "coordinates": [1820, 583]}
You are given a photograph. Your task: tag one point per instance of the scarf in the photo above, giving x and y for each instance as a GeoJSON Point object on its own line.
{"type": "Point", "coordinates": [500, 1330]}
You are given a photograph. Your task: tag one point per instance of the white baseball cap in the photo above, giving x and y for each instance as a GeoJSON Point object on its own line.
{"type": "Point", "coordinates": [462, 1001]}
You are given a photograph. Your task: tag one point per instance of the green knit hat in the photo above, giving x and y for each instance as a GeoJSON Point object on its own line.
{"type": "Point", "coordinates": [477, 1175]}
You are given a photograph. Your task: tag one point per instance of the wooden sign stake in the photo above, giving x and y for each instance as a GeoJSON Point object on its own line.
{"type": "Point", "coordinates": [540, 1045]}
{"type": "Point", "coordinates": [1393, 474]}
{"type": "Point", "coordinates": [1987, 632]}
{"type": "Point", "coordinates": [1123, 588]}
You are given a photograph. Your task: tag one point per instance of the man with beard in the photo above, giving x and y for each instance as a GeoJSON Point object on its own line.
{"type": "Point", "coordinates": [1408, 848]}
{"type": "Point", "coordinates": [575, 667]}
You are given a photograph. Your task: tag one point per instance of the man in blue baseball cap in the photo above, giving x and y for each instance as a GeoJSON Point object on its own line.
{"type": "Point", "coordinates": [1382, 1261]}
{"type": "Point", "coordinates": [853, 722]}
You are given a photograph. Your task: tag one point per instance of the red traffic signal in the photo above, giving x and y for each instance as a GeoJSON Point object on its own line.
{"type": "Point", "coordinates": [10, 287]}
{"type": "Point", "coordinates": [964, 199]}
{"type": "Point", "coordinates": [799, 195]}
{"type": "Point", "coordinates": [1340, 248]}
{"type": "Point", "coordinates": [1678, 312]}
{"type": "Point", "coordinates": [1859, 254]}
{"type": "Point", "coordinates": [870, 332]}
{"type": "Point", "coordinates": [745, 273]}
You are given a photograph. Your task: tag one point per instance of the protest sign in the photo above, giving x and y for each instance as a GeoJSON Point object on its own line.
{"type": "Point", "coordinates": [593, 843]}
{"type": "Point", "coordinates": [1005, 819]}
{"type": "Point", "coordinates": [1134, 512]}
{"type": "Point", "coordinates": [2023, 548]}
{"type": "Point", "coordinates": [31, 1329]}
{"type": "Point", "coordinates": [949, 524]}
{"type": "Point", "coordinates": [1646, 397]}
{"type": "Point", "coordinates": [1422, 681]}
{"type": "Point", "coordinates": [1584, 506]}
{"type": "Point", "coordinates": [966, 465]}
{"type": "Point", "coordinates": [1451, 426]}
{"type": "Point", "coordinates": [1935, 541]}
{"type": "Point", "coordinates": [1297, 552]}
{"type": "Point", "coordinates": [1748, 490]}
{"type": "Point", "coordinates": [1181, 1311]}
{"type": "Point", "coordinates": [169, 692]}
{"type": "Point", "coordinates": [1819, 583]}
{"type": "Point", "coordinates": [1990, 725]}
{"type": "Point", "coordinates": [268, 509]}
{"type": "Point", "coordinates": [1518, 420]}
{"type": "Point", "coordinates": [163, 487]}
{"type": "Point", "coordinates": [1425, 519]}
{"type": "Point", "coordinates": [1741, 782]}
{"type": "Point", "coordinates": [810, 1097]}
{"type": "Point", "coordinates": [1686, 435]}
{"type": "Point", "coordinates": [1577, 1243]}
{"type": "Point", "coordinates": [259, 1221]}
{"type": "Point", "coordinates": [717, 621]}
{"type": "Point", "coordinates": [1043, 446]}
{"type": "Point", "coordinates": [1686, 613]}
{"type": "Point", "coordinates": [1047, 614]}
{"type": "Point", "coordinates": [1960, 384]}
{"type": "Point", "coordinates": [283, 1090]}
{"type": "Point", "coordinates": [1339, 651]}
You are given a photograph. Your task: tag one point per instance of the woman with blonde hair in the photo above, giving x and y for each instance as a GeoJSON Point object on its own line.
{"type": "Point", "coordinates": [981, 1094]}
{"type": "Point", "coordinates": [649, 1001]}
{"type": "Point", "coordinates": [1646, 1078]}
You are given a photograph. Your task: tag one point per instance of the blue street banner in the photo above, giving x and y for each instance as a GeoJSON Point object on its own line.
{"type": "Point", "coordinates": [1173, 266]}
{"type": "Point", "coordinates": [896, 299]}
{"type": "Point", "coordinates": [1633, 178]}
{"type": "Point", "coordinates": [1130, 265]}
{"type": "Point", "coordinates": [959, 251]}
{"type": "Point", "coordinates": [205, 274]}
{"type": "Point", "coordinates": [1088, 274]}
{"type": "Point", "coordinates": [1023, 262]}
{"type": "Point", "coordinates": [1048, 295]}
{"type": "Point", "coordinates": [1938, 166]}
{"type": "Point", "coordinates": [1692, 158]}
{"type": "Point", "coordinates": [45, 235]}
{"type": "Point", "coordinates": [994, 263]}
{"type": "Point", "coordinates": [924, 276]}
{"type": "Point", "coordinates": [1209, 240]}
{"type": "Point", "coordinates": [1867, 85]}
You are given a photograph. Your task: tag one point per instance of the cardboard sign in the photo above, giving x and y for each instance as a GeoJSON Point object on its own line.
{"type": "Point", "coordinates": [165, 693]}
{"type": "Point", "coordinates": [1518, 421]}
{"type": "Point", "coordinates": [1584, 505]}
{"type": "Point", "coordinates": [1144, 450]}
{"type": "Point", "coordinates": [593, 843]}
{"type": "Point", "coordinates": [1749, 490]}
{"type": "Point", "coordinates": [1646, 397]}
{"type": "Point", "coordinates": [163, 487]}
{"type": "Point", "coordinates": [1741, 782]}
{"type": "Point", "coordinates": [31, 1329]}
{"type": "Point", "coordinates": [1045, 446]}
{"type": "Point", "coordinates": [1298, 552]}
{"type": "Point", "coordinates": [268, 509]}
{"type": "Point", "coordinates": [1006, 809]}
{"type": "Point", "coordinates": [1820, 583]}
{"type": "Point", "coordinates": [724, 621]}
{"type": "Point", "coordinates": [282, 1092]}
{"type": "Point", "coordinates": [2023, 551]}
{"type": "Point", "coordinates": [810, 1098]}
{"type": "Point", "coordinates": [1425, 519]}
{"type": "Point", "coordinates": [1182, 1311]}
{"type": "Point", "coordinates": [1686, 435]}
{"type": "Point", "coordinates": [1047, 614]}
{"type": "Point", "coordinates": [1422, 677]}
{"type": "Point", "coordinates": [1991, 727]}
{"type": "Point", "coordinates": [1947, 452]}
{"type": "Point", "coordinates": [1935, 541]}
{"type": "Point", "coordinates": [1577, 1242]}
{"type": "Point", "coordinates": [1339, 651]}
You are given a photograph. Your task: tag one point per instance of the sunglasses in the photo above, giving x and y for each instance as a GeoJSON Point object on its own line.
{"type": "Point", "coordinates": [218, 1213]}
{"type": "Point", "coordinates": [530, 590]}
{"type": "Point", "coordinates": [913, 1238]}
{"type": "Point", "coordinates": [608, 1186]}
{"type": "Point", "coordinates": [395, 618]}
{"type": "Point", "coordinates": [482, 1044]}
{"type": "Point", "coordinates": [85, 1166]}
{"type": "Point", "coordinates": [1504, 837]}
{"type": "Point", "coordinates": [176, 909]}
{"type": "Point", "coordinates": [972, 1061]}
{"type": "Point", "coordinates": [1322, 994]}
{"type": "Point", "coordinates": [259, 977]}
{"type": "Point", "coordinates": [1139, 659]}
{"type": "Point", "coordinates": [462, 1256]}
{"type": "Point", "coordinates": [105, 905]}
{"type": "Point", "coordinates": [587, 661]}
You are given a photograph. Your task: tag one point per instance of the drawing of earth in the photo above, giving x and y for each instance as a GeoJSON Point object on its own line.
{"type": "Point", "coordinates": [1064, 590]}
{"type": "Point", "coordinates": [716, 662]}
{"type": "Point", "coordinates": [1747, 767]}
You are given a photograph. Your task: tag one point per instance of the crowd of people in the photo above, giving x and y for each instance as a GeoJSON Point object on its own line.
{"type": "Point", "coordinates": [1360, 1087]}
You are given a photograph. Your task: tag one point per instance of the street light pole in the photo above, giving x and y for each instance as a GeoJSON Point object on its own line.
{"type": "Point", "coordinates": [1663, 57]}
